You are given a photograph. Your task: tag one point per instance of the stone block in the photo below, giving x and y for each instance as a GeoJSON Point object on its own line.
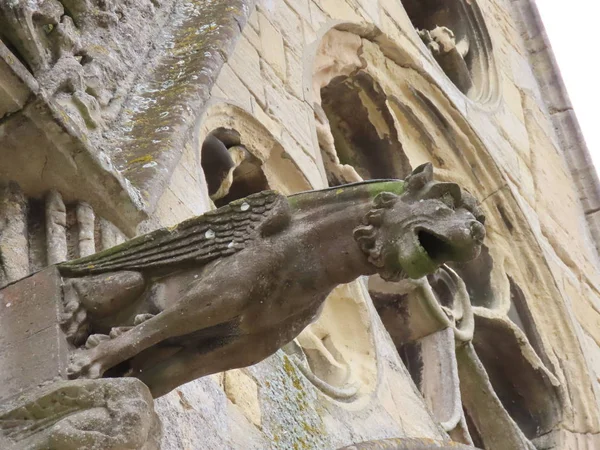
{"type": "Point", "coordinates": [310, 34]}
{"type": "Point", "coordinates": [242, 390]}
{"type": "Point", "coordinates": [233, 87]}
{"type": "Point", "coordinates": [273, 126]}
{"type": "Point", "coordinates": [185, 184]}
{"type": "Point", "coordinates": [295, 72]}
{"type": "Point", "coordinates": [304, 161]}
{"type": "Point", "coordinates": [273, 50]}
{"type": "Point", "coordinates": [340, 10]}
{"type": "Point", "coordinates": [114, 413]}
{"type": "Point", "coordinates": [34, 348]}
{"type": "Point", "coordinates": [522, 73]}
{"type": "Point", "coordinates": [290, 111]}
{"type": "Point", "coordinates": [14, 247]}
{"type": "Point", "coordinates": [395, 10]}
{"type": "Point", "coordinates": [16, 84]}
{"type": "Point", "coordinates": [514, 129]}
{"type": "Point", "coordinates": [302, 8]}
{"type": "Point", "coordinates": [217, 92]}
{"type": "Point", "coordinates": [252, 36]}
{"type": "Point", "coordinates": [371, 10]}
{"type": "Point", "coordinates": [253, 20]}
{"type": "Point", "coordinates": [245, 62]}
{"type": "Point", "coordinates": [290, 25]}
{"type": "Point", "coordinates": [171, 210]}
{"type": "Point", "coordinates": [512, 97]}
{"type": "Point", "coordinates": [317, 16]}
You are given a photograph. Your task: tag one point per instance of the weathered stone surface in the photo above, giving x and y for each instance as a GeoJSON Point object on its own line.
{"type": "Point", "coordinates": [168, 99]}
{"type": "Point", "coordinates": [115, 414]}
{"type": "Point", "coordinates": [34, 348]}
{"type": "Point", "coordinates": [243, 392]}
{"type": "Point", "coordinates": [272, 46]}
{"type": "Point", "coordinates": [16, 83]}
{"type": "Point", "coordinates": [14, 248]}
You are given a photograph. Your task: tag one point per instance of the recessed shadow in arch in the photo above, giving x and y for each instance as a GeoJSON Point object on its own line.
{"type": "Point", "coordinates": [363, 129]}
{"type": "Point", "coordinates": [526, 389]}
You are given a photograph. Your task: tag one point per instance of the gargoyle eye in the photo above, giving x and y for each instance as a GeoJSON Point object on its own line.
{"type": "Point", "coordinates": [448, 200]}
{"type": "Point", "coordinates": [481, 219]}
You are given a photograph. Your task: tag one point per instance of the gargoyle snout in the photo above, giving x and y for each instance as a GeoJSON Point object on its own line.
{"type": "Point", "coordinates": [477, 231]}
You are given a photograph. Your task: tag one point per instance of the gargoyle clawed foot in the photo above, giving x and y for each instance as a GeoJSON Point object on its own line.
{"type": "Point", "coordinates": [141, 318]}
{"type": "Point", "coordinates": [84, 365]}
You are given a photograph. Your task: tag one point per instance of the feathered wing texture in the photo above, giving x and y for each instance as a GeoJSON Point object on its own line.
{"type": "Point", "coordinates": [196, 241]}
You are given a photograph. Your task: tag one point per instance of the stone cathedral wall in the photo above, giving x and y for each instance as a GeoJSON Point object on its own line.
{"type": "Point", "coordinates": [107, 131]}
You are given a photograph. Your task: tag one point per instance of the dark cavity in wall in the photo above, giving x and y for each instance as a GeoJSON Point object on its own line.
{"type": "Point", "coordinates": [526, 392]}
{"type": "Point", "coordinates": [36, 232]}
{"type": "Point", "coordinates": [520, 314]}
{"type": "Point", "coordinates": [477, 276]}
{"type": "Point", "coordinates": [231, 171]}
{"type": "Point", "coordinates": [456, 35]}
{"type": "Point", "coordinates": [363, 129]}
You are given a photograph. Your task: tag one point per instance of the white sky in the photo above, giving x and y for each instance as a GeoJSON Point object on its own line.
{"type": "Point", "coordinates": [572, 27]}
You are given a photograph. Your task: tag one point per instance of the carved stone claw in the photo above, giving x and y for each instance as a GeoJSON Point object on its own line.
{"type": "Point", "coordinates": [141, 318]}
{"type": "Point", "coordinates": [94, 339]}
{"type": "Point", "coordinates": [83, 365]}
{"type": "Point", "coordinates": [118, 331]}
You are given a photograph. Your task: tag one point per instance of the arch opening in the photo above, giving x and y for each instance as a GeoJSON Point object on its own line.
{"type": "Point", "coordinates": [456, 35]}
{"type": "Point", "coordinates": [363, 141]}
{"type": "Point", "coordinates": [231, 171]}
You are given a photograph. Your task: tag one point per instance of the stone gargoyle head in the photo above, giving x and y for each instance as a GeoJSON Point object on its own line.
{"type": "Point", "coordinates": [412, 233]}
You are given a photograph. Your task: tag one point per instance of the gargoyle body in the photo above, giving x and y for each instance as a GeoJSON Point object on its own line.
{"type": "Point", "coordinates": [231, 287]}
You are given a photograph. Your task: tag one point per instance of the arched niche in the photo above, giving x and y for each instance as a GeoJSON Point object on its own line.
{"type": "Point", "coordinates": [428, 126]}
{"type": "Point", "coordinates": [232, 143]}
{"type": "Point", "coordinates": [456, 35]}
{"type": "Point", "coordinates": [230, 169]}
{"type": "Point", "coordinates": [363, 130]}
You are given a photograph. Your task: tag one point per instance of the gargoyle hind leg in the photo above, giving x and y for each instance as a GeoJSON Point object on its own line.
{"type": "Point", "coordinates": [190, 364]}
{"type": "Point", "coordinates": [199, 309]}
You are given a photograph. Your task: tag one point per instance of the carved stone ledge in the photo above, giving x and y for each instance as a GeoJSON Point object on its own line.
{"type": "Point", "coordinates": [107, 87]}
{"type": "Point", "coordinates": [34, 349]}
{"type": "Point", "coordinates": [108, 414]}
{"type": "Point", "coordinates": [42, 149]}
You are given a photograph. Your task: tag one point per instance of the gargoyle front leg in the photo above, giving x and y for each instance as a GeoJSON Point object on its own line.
{"type": "Point", "coordinates": [192, 313]}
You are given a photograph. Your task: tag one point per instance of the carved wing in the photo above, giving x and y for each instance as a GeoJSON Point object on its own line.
{"type": "Point", "coordinates": [196, 241]}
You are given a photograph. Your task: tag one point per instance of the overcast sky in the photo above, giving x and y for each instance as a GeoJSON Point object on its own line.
{"type": "Point", "coordinates": [572, 28]}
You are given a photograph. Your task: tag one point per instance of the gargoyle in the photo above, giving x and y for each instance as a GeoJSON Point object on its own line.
{"type": "Point", "coordinates": [450, 54]}
{"type": "Point", "coordinates": [229, 288]}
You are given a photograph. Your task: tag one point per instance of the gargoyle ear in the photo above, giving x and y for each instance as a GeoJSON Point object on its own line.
{"type": "Point", "coordinates": [419, 177]}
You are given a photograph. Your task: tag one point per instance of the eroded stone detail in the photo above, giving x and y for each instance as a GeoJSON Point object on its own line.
{"type": "Point", "coordinates": [115, 414]}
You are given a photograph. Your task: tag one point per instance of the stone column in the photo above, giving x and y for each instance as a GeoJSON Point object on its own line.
{"type": "Point", "coordinates": [14, 248]}
{"type": "Point", "coordinates": [85, 222]}
{"type": "Point", "coordinates": [56, 228]}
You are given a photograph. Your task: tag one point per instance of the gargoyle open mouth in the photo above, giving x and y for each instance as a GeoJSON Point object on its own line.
{"type": "Point", "coordinates": [437, 248]}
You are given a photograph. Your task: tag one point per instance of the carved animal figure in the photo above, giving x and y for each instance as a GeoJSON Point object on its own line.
{"type": "Point", "coordinates": [231, 287]}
